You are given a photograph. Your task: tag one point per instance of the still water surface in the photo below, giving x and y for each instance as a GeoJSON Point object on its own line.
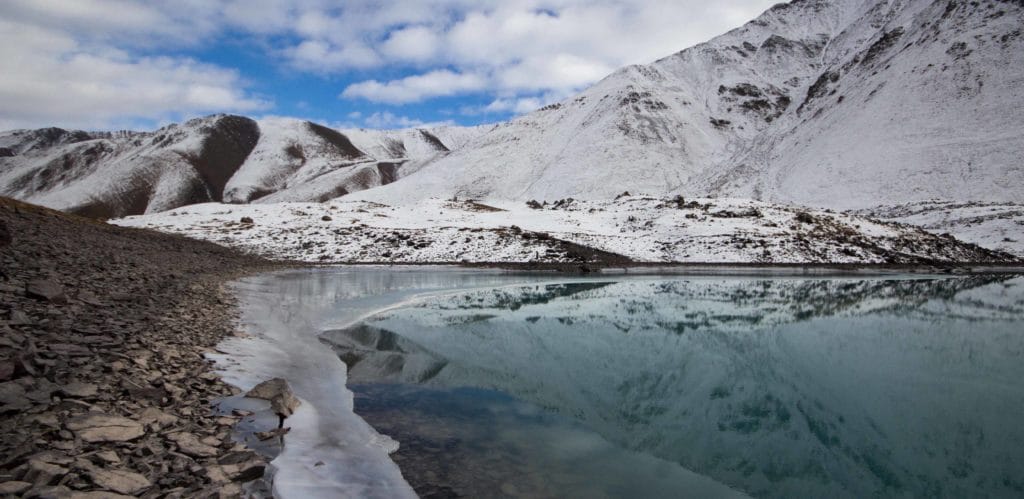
{"type": "Point", "coordinates": [700, 386]}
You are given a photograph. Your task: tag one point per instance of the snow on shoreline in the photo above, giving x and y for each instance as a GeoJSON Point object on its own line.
{"type": "Point", "coordinates": [629, 228]}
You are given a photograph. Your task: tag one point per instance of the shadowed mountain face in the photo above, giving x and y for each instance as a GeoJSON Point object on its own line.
{"type": "Point", "coordinates": [775, 387]}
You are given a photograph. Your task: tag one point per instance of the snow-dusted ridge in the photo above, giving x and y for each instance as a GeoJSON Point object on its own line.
{"type": "Point", "coordinates": [217, 158]}
{"type": "Point", "coordinates": [628, 229]}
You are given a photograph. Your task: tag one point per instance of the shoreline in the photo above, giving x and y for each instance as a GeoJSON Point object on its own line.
{"type": "Point", "coordinates": [104, 379]}
{"type": "Point", "coordinates": [727, 268]}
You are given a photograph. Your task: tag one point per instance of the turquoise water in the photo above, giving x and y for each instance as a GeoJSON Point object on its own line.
{"type": "Point", "coordinates": [700, 387]}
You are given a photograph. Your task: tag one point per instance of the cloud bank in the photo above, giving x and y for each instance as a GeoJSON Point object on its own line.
{"type": "Point", "coordinates": [98, 63]}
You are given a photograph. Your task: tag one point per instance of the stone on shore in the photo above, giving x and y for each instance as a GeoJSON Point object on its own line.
{"type": "Point", "coordinates": [190, 445]}
{"type": "Point", "coordinates": [279, 393]}
{"type": "Point", "coordinates": [121, 481]}
{"type": "Point", "coordinates": [46, 290]}
{"type": "Point", "coordinates": [79, 390]}
{"type": "Point", "coordinates": [96, 427]}
{"type": "Point", "coordinates": [14, 487]}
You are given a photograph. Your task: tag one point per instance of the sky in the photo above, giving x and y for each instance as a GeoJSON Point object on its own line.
{"type": "Point", "coordinates": [137, 64]}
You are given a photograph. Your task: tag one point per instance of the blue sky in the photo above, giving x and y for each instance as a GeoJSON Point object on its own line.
{"type": "Point", "coordinates": [101, 64]}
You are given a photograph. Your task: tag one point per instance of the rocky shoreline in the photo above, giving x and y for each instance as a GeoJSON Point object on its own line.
{"type": "Point", "coordinates": [104, 388]}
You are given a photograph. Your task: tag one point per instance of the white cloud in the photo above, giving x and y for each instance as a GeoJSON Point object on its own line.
{"type": "Point", "coordinates": [417, 43]}
{"type": "Point", "coordinates": [91, 62]}
{"type": "Point", "coordinates": [52, 77]}
{"type": "Point", "coordinates": [436, 83]}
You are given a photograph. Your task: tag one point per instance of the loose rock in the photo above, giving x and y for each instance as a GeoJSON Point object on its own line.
{"type": "Point", "coordinates": [14, 487]}
{"type": "Point", "coordinates": [45, 290]}
{"type": "Point", "coordinates": [104, 428]}
{"type": "Point", "coordinates": [124, 482]}
{"type": "Point", "coordinates": [190, 445]}
{"type": "Point", "coordinates": [79, 390]}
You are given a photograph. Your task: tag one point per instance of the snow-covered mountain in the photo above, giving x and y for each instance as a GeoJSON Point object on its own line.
{"type": "Point", "coordinates": [832, 103]}
{"type": "Point", "coordinates": [218, 158]}
{"type": "Point", "coordinates": [841, 104]}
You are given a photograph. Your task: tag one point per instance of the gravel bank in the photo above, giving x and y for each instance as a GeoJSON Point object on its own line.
{"type": "Point", "coordinates": [104, 390]}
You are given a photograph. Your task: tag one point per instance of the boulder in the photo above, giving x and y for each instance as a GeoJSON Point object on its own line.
{"type": "Point", "coordinates": [97, 427]}
{"type": "Point", "coordinates": [45, 290]}
{"type": "Point", "coordinates": [279, 393]}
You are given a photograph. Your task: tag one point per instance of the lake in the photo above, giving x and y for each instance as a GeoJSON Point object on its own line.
{"type": "Point", "coordinates": [509, 385]}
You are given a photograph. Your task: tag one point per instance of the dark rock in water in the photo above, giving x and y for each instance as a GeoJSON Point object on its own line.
{"type": "Point", "coordinates": [45, 290]}
{"type": "Point", "coordinates": [267, 435]}
{"type": "Point", "coordinates": [6, 152]}
{"type": "Point", "coordinates": [246, 220]}
{"type": "Point", "coordinates": [279, 393]}
{"type": "Point", "coordinates": [326, 218]}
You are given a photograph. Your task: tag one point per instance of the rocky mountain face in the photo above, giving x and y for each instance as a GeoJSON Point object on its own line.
{"type": "Point", "coordinates": [831, 103]}
{"type": "Point", "coordinates": [845, 104]}
{"type": "Point", "coordinates": [218, 158]}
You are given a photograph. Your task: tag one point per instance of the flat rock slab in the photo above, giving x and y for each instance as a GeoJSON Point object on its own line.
{"type": "Point", "coordinates": [121, 481]}
{"type": "Point", "coordinates": [191, 445]}
{"type": "Point", "coordinates": [279, 393]}
{"type": "Point", "coordinates": [12, 397]}
{"type": "Point", "coordinates": [14, 487]}
{"type": "Point", "coordinates": [98, 494]}
{"type": "Point", "coordinates": [97, 427]}
{"type": "Point", "coordinates": [45, 290]}
{"type": "Point", "coordinates": [79, 390]}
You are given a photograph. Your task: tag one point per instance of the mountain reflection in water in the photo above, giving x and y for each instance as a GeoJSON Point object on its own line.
{"type": "Point", "coordinates": [774, 387]}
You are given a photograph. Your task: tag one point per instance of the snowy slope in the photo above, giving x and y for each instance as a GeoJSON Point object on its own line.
{"type": "Point", "coordinates": [114, 174]}
{"type": "Point", "coordinates": [998, 226]}
{"type": "Point", "coordinates": [842, 104]}
{"type": "Point", "coordinates": [630, 228]}
{"type": "Point", "coordinates": [217, 158]}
